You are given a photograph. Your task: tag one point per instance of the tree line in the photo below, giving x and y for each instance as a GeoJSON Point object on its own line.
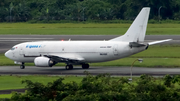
{"type": "Point", "coordinates": [103, 88]}
{"type": "Point", "coordinates": [83, 10]}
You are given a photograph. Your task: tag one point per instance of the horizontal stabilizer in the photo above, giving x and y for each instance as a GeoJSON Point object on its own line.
{"type": "Point", "coordinates": [136, 44]}
{"type": "Point", "coordinates": [156, 42]}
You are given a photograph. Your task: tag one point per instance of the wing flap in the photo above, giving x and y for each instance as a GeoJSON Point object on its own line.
{"type": "Point", "coordinates": [66, 58]}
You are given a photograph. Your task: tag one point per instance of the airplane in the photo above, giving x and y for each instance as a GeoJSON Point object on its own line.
{"type": "Point", "coordinates": [49, 53]}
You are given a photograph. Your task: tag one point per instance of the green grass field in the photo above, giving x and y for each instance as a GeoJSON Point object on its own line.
{"type": "Point", "coordinates": [5, 96]}
{"type": "Point", "coordinates": [14, 81]}
{"type": "Point", "coordinates": [83, 29]}
{"type": "Point", "coordinates": [166, 56]}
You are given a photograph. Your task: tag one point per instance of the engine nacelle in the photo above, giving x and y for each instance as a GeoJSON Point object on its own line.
{"type": "Point", "coordinates": [43, 62]}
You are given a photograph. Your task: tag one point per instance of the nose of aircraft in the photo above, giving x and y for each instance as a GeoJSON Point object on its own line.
{"type": "Point", "coordinates": [8, 54]}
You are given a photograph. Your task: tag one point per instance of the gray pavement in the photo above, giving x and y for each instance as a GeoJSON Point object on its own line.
{"type": "Point", "coordinates": [119, 71]}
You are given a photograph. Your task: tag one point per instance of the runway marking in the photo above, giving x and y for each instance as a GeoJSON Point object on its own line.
{"type": "Point", "coordinates": [23, 38]}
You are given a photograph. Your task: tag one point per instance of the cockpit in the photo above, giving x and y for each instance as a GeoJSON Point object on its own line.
{"type": "Point", "coordinates": [12, 48]}
{"type": "Point", "coordinates": [11, 53]}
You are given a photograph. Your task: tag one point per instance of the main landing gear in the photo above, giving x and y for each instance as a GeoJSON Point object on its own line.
{"type": "Point", "coordinates": [70, 67]}
{"type": "Point", "coordinates": [85, 66]}
{"type": "Point", "coordinates": [22, 65]}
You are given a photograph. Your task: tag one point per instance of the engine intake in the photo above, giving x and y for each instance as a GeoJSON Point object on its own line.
{"type": "Point", "coordinates": [43, 62]}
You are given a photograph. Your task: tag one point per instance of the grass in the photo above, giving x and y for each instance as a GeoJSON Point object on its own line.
{"type": "Point", "coordinates": [82, 29]}
{"type": "Point", "coordinates": [147, 62]}
{"type": "Point", "coordinates": [160, 51]}
{"type": "Point", "coordinates": [155, 56]}
{"type": "Point", "coordinates": [5, 96]}
{"type": "Point", "coordinates": [14, 81]}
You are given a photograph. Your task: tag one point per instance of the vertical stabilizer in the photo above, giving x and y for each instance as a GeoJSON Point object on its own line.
{"type": "Point", "coordinates": [137, 30]}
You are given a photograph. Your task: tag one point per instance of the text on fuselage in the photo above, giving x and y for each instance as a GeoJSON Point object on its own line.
{"type": "Point", "coordinates": [33, 46]}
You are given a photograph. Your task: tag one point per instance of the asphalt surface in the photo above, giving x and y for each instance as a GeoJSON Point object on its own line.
{"type": "Point", "coordinates": [7, 41]}
{"type": "Point", "coordinates": [11, 90]}
{"type": "Point", "coordinates": [116, 71]}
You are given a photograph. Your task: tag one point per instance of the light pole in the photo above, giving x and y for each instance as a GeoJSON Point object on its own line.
{"type": "Point", "coordinates": [159, 11]}
{"type": "Point", "coordinates": [140, 60]}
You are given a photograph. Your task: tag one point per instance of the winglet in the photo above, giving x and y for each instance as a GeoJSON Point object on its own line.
{"type": "Point", "coordinates": [156, 42]}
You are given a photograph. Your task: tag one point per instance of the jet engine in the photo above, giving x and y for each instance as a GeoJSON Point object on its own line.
{"type": "Point", "coordinates": [43, 62]}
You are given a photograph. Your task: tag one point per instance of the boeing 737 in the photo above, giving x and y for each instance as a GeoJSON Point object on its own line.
{"type": "Point", "coordinates": [49, 53]}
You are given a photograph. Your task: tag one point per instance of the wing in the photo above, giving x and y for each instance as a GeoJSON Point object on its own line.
{"type": "Point", "coordinates": [66, 58]}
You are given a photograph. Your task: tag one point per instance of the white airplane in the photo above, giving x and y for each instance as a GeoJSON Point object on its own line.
{"type": "Point", "coordinates": [49, 53]}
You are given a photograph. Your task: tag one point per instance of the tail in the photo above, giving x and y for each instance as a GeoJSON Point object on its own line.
{"type": "Point", "coordinates": [137, 30]}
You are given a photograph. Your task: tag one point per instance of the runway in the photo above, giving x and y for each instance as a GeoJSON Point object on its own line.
{"type": "Point", "coordinates": [115, 71]}
{"type": "Point", "coordinates": [7, 41]}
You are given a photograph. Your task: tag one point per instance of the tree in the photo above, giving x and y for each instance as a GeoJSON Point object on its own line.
{"type": "Point", "coordinates": [22, 12]}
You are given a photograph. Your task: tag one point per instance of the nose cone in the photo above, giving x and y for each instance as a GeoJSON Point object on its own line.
{"type": "Point", "coordinates": [8, 54]}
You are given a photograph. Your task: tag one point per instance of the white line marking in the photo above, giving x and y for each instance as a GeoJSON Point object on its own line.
{"type": "Point", "coordinates": [24, 38]}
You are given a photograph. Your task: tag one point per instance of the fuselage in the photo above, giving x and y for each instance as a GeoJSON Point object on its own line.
{"type": "Point", "coordinates": [90, 51]}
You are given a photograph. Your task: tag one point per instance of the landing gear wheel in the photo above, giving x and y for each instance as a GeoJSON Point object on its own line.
{"type": "Point", "coordinates": [69, 67]}
{"type": "Point", "coordinates": [85, 66]}
{"type": "Point", "coordinates": [22, 66]}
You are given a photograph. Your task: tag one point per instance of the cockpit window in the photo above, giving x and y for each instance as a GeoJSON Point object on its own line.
{"type": "Point", "coordinates": [12, 48]}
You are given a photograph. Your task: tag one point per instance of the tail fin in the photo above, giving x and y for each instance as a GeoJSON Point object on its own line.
{"type": "Point", "coordinates": [137, 30]}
